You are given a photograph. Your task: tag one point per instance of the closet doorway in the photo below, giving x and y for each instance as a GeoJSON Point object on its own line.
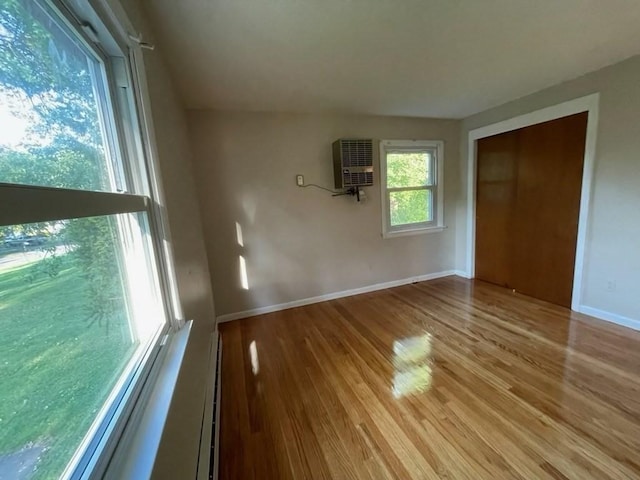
{"type": "Point", "coordinates": [528, 191]}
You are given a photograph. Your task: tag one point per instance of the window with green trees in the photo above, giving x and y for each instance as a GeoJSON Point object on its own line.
{"type": "Point", "coordinates": [81, 304]}
{"type": "Point", "coordinates": [411, 186]}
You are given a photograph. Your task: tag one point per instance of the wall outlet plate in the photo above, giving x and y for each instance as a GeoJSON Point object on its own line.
{"type": "Point", "coordinates": [300, 180]}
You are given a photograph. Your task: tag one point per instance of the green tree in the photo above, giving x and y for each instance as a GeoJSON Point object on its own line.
{"type": "Point", "coordinates": [93, 243]}
{"type": "Point", "coordinates": [409, 169]}
{"type": "Point", "coordinates": [63, 370]}
{"type": "Point", "coordinates": [40, 61]}
{"type": "Point", "coordinates": [45, 73]}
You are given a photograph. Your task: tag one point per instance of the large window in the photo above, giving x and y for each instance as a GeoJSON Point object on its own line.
{"type": "Point", "coordinates": [411, 183]}
{"type": "Point", "coordinates": [82, 285]}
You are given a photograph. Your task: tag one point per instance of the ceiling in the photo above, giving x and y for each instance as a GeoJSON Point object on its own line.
{"type": "Point", "coordinates": [429, 58]}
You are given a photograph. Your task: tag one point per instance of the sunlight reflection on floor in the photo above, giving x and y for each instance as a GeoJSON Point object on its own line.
{"type": "Point", "coordinates": [412, 363]}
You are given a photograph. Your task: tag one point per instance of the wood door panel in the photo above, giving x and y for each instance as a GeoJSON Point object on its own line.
{"type": "Point", "coordinates": [527, 207]}
{"type": "Point", "coordinates": [550, 162]}
{"type": "Point", "coordinates": [495, 208]}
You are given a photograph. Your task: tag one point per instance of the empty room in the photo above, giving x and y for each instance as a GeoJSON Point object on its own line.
{"type": "Point", "coordinates": [303, 239]}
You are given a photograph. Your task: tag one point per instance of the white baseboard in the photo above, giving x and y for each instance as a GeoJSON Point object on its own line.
{"type": "Point", "coordinates": [332, 296]}
{"type": "Point", "coordinates": [462, 273]}
{"type": "Point", "coordinates": [610, 317]}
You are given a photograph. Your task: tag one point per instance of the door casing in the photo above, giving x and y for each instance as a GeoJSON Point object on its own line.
{"type": "Point", "coordinates": [590, 104]}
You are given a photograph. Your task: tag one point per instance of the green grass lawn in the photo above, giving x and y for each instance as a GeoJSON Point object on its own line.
{"type": "Point", "coordinates": [56, 367]}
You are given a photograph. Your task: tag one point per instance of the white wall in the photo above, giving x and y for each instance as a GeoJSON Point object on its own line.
{"type": "Point", "coordinates": [178, 454]}
{"type": "Point", "coordinates": [301, 242]}
{"type": "Point", "coordinates": [613, 237]}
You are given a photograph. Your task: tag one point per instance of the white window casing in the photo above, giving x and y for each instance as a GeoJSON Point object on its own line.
{"type": "Point", "coordinates": [435, 150]}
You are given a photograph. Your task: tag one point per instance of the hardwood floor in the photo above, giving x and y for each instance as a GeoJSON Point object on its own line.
{"type": "Point", "coordinates": [449, 378]}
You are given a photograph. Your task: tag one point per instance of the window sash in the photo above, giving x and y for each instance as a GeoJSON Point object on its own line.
{"type": "Point", "coordinates": [27, 204]}
{"type": "Point", "coordinates": [408, 189]}
{"type": "Point", "coordinates": [116, 92]}
{"type": "Point", "coordinates": [417, 225]}
{"type": "Point", "coordinates": [109, 422]}
{"type": "Point", "coordinates": [432, 167]}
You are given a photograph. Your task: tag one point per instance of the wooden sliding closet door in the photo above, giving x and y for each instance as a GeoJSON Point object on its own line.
{"type": "Point", "coordinates": [527, 207]}
{"type": "Point", "coordinates": [550, 161]}
{"type": "Point", "coordinates": [495, 208]}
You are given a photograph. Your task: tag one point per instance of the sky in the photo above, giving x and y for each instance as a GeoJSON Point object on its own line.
{"type": "Point", "coordinates": [12, 129]}
{"type": "Point", "coordinates": [16, 114]}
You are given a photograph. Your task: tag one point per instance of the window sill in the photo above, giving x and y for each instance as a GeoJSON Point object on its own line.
{"type": "Point", "coordinates": [135, 455]}
{"type": "Point", "coordinates": [413, 231]}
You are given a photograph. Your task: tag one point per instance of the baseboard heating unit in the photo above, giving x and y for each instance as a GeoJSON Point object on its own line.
{"type": "Point", "coordinates": [210, 431]}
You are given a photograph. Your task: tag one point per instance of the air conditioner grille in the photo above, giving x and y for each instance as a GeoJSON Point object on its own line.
{"type": "Point", "coordinates": [350, 179]}
{"type": "Point", "coordinates": [357, 153]}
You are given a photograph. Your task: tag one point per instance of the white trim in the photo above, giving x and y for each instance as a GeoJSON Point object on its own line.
{"type": "Point", "coordinates": [461, 273]}
{"type": "Point", "coordinates": [588, 104]}
{"type": "Point", "coordinates": [610, 317]}
{"type": "Point", "coordinates": [135, 454]}
{"type": "Point", "coordinates": [140, 140]}
{"type": "Point", "coordinates": [332, 296]}
{"type": "Point", "coordinates": [413, 229]}
{"type": "Point", "coordinates": [150, 147]}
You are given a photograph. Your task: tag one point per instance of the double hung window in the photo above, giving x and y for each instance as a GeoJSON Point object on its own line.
{"type": "Point", "coordinates": [412, 186]}
{"type": "Point", "coordinates": [83, 286]}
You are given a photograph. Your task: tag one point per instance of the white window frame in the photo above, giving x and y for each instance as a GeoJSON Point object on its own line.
{"type": "Point", "coordinates": [113, 40]}
{"type": "Point", "coordinates": [436, 148]}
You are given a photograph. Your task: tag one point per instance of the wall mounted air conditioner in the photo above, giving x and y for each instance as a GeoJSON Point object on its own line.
{"type": "Point", "coordinates": [353, 163]}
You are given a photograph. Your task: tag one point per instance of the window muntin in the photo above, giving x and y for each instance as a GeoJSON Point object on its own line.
{"type": "Point", "coordinates": [411, 174]}
{"type": "Point", "coordinates": [59, 168]}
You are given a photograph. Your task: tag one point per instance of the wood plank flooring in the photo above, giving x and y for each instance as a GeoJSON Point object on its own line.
{"type": "Point", "coordinates": [449, 378]}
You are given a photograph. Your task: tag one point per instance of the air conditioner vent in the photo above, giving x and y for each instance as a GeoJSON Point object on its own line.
{"type": "Point", "coordinates": [353, 163]}
{"type": "Point", "coordinates": [357, 178]}
{"type": "Point", "coordinates": [356, 153]}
